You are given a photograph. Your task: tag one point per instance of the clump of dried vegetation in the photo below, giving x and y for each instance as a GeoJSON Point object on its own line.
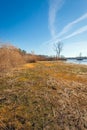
{"type": "Point", "coordinates": [44, 96]}
{"type": "Point", "coordinates": [9, 57]}
{"type": "Point", "coordinates": [30, 58]}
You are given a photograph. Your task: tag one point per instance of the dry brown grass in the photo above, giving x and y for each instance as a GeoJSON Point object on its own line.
{"type": "Point", "coordinates": [45, 96]}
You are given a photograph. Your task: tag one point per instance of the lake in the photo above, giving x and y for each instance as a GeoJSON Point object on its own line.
{"type": "Point", "coordinates": [84, 62]}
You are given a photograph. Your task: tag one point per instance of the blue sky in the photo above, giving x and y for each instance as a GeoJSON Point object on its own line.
{"type": "Point", "coordinates": [35, 25]}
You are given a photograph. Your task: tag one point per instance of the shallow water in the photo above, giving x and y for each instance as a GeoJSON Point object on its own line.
{"type": "Point", "coordinates": [84, 62]}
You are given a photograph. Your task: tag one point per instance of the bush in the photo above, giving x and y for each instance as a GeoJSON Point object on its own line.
{"type": "Point", "coordinates": [29, 58]}
{"type": "Point", "coordinates": [10, 57]}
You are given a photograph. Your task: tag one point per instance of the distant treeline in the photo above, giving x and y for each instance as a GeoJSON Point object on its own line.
{"type": "Point", "coordinates": [83, 57]}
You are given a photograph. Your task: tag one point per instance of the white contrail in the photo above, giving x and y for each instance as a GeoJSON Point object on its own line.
{"type": "Point", "coordinates": [54, 6]}
{"type": "Point", "coordinates": [77, 32]}
{"type": "Point", "coordinates": [67, 28]}
{"type": "Point", "coordinates": [70, 25]}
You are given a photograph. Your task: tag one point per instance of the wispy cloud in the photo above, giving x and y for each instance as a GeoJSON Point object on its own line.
{"type": "Point", "coordinates": [70, 25]}
{"type": "Point", "coordinates": [54, 7]}
{"type": "Point", "coordinates": [67, 28]}
{"type": "Point", "coordinates": [77, 32]}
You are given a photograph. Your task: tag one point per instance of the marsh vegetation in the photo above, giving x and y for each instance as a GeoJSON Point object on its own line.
{"type": "Point", "coordinates": [47, 95]}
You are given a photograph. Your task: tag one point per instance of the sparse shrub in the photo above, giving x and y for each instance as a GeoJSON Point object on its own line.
{"type": "Point", "coordinates": [29, 58]}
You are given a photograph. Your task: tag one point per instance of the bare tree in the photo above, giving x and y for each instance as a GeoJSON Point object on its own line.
{"type": "Point", "coordinates": [58, 48]}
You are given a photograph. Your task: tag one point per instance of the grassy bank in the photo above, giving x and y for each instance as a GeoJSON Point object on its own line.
{"type": "Point", "coordinates": [44, 96]}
